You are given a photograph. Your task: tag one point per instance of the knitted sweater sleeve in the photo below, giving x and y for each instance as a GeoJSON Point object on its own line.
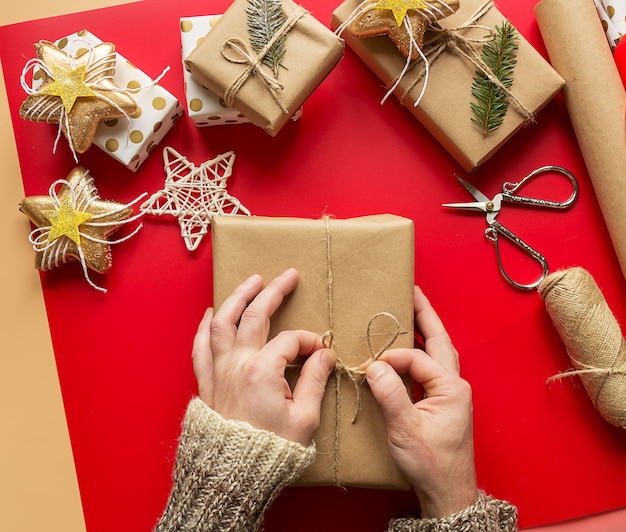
{"type": "Point", "coordinates": [485, 515]}
{"type": "Point", "coordinates": [227, 473]}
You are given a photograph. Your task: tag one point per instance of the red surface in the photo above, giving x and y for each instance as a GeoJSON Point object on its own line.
{"type": "Point", "coordinates": [123, 358]}
{"type": "Point", "coordinates": [620, 59]}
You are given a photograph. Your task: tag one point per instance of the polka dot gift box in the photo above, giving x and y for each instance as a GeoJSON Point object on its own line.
{"type": "Point", "coordinates": [203, 107]}
{"type": "Point", "coordinates": [131, 138]}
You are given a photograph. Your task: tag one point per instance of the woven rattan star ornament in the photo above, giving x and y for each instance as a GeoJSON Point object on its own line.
{"type": "Point", "coordinates": [74, 223]}
{"type": "Point", "coordinates": [195, 194]}
{"type": "Point", "coordinates": [403, 21]}
{"type": "Point", "coordinates": [76, 92]}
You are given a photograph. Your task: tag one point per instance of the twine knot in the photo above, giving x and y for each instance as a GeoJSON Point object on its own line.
{"type": "Point", "coordinates": [236, 51]}
{"type": "Point", "coordinates": [456, 42]}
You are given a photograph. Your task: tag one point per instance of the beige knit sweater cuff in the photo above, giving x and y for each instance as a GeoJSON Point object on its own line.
{"type": "Point", "coordinates": [485, 515]}
{"type": "Point", "coordinates": [227, 473]}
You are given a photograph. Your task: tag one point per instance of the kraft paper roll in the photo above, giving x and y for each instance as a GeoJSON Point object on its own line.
{"type": "Point", "coordinates": [592, 337]}
{"type": "Point", "coordinates": [596, 102]}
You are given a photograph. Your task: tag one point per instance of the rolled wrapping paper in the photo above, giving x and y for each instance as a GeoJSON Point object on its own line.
{"type": "Point", "coordinates": [596, 102]}
{"type": "Point", "coordinates": [592, 337]}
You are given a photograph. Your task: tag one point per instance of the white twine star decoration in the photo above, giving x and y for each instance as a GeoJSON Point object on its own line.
{"type": "Point", "coordinates": [195, 195]}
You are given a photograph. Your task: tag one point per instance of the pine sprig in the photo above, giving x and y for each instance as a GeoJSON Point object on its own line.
{"type": "Point", "coordinates": [500, 55]}
{"type": "Point", "coordinates": [265, 18]}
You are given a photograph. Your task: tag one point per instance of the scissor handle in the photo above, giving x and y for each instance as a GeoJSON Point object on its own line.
{"type": "Point", "coordinates": [509, 189]}
{"type": "Point", "coordinates": [492, 232]}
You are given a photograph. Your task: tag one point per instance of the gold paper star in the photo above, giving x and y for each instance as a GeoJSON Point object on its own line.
{"type": "Point", "coordinates": [394, 17]}
{"type": "Point", "coordinates": [68, 85]}
{"type": "Point", "coordinates": [76, 93]}
{"type": "Point", "coordinates": [77, 199]}
{"type": "Point", "coordinates": [399, 7]}
{"type": "Point", "coordinates": [65, 221]}
{"type": "Point", "coordinates": [195, 195]}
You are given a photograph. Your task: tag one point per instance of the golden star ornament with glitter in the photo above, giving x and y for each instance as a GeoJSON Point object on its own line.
{"type": "Point", "coordinates": [76, 93]}
{"type": "Point", "coordinates": [404, 21]}
{"type": "Point", "coordinates": [74, 223]}
{"type": "Point", "coordinates": [195, 194]}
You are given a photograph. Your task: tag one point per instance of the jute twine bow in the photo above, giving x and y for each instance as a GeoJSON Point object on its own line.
{"type": "Point", "coordinates": [354, 373]}
{"type": "Point", "coordinates": [454, 41]}
{"type": "Point", "coordinates": [592, 337]}
{"type": "Point", "coordinates": [236, 51]}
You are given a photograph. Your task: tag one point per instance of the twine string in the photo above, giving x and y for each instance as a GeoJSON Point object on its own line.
{"type": "Point", "coordinates": [454, 41]}
{"type": "Point", "coordinates": [354, 373]}
{"type": "Point", "coordinates": [236, 51]}
{"type": "Point", "coordinates": [592, 337]}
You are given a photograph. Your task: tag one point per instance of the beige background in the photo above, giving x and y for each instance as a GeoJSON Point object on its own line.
{"type": "Point", "coordinates": [38, 487]}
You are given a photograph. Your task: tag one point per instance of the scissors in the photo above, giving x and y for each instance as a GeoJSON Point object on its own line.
{"type": "Point", "coordinates": [491, 208]}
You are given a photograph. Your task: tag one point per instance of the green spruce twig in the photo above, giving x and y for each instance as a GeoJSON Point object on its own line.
{"type": "Point", "coordinates": [500, 55]}
{"type": "Point", "coordinates": [265, 18]}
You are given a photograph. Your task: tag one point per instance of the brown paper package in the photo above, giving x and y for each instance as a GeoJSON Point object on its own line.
{"type": "Point", "coordinates": [445, 107]}
{"type": "Point", "coordinates": [595, 100]}
{"type": "Point", "coordinates": [371, 262]}
{"type": "Point", "coordinates": [312, 52]}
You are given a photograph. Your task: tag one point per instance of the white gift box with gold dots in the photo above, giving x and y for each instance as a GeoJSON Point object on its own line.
{"type": "Point", "coordinates": [129, 140]}
{"type": "Point", "coordinates": [203, 106]}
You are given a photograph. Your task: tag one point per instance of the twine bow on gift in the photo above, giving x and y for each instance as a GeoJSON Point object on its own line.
{"type": "Point", "coordinates": [454, 41]}
{"type": "Point", "coordinates": [236, 51]}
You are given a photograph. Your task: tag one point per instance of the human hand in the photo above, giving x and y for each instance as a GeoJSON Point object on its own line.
{"type": "Point", "coordinates": [242, 376]}
{"type": "Point", "coordinates": [431, 440]}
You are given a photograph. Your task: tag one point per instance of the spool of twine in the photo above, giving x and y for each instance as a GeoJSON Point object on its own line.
{"type": "Point", "coordinates": [592, 337]}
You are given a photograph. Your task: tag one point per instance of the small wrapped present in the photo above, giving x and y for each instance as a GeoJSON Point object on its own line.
{"type": "Point", "coordinates": [267, 79]}
{"type": "Point", "coordinates": [130, 135]}
{"type": "Point", "coordinates": [203, 107]}
{"type": "Point", "coordinates": [453, 48]}
{"type": "Point", "coordinates": [355, 289]}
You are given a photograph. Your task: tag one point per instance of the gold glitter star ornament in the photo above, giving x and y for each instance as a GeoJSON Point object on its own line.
{"type": "Point", "coordinates": [76, 93]}
{"type": "Point", "coordinates": [404, 21]}
{"type": "Point", "coordinates": [74, 223]}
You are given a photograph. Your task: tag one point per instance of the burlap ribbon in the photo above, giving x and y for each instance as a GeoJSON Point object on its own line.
{"type": "Point", "coordinates": [236, 51]}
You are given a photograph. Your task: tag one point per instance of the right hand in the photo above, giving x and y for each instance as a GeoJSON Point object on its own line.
{"type": "Point", "coordinates": [431, 440]}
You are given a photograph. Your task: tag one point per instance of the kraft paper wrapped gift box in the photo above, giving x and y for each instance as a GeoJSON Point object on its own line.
{"type": "Point", "coordinates": [371, 262]}
{"type": "Point", "coordinates": [444, 109]}
{"type": "Point", "coordinates": [204, 107]}
{"type": "Point", "coordinates": [129, 140]}
{"type": "Point", "coordinates": [219, 63]}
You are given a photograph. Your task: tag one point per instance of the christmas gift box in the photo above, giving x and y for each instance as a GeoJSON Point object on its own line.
{"type": "Point", "coordinates": [356, 290]}
{"type": "Point", "coordinates": [266, 72]}
{"type": "Point", "coordinates": [441, 82]}
{"type": "Point", "coordinates": [132, 135]}
{"type": "Point", "coordinates": [203, 107]}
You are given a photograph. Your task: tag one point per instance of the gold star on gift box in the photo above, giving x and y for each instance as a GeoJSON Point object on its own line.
{"type": "Point", "coordinates": [76, 92]}
{"type": "Point", "coordinates": [74, 223]}
{"type": "Point", "coordinates": [403, 21]}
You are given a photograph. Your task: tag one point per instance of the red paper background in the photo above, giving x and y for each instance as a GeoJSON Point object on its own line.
{"type": "Point", "coordinates": [123, 358]}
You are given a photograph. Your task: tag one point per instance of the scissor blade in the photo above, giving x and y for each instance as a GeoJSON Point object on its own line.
{"type": "Point", "coordinates": [470, 206]}
{"type": "Point", "coordinates": [477, 194]}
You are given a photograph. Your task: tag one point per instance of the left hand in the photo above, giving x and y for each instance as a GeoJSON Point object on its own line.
{"type": "Point", "coordinates": [242, 376]}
